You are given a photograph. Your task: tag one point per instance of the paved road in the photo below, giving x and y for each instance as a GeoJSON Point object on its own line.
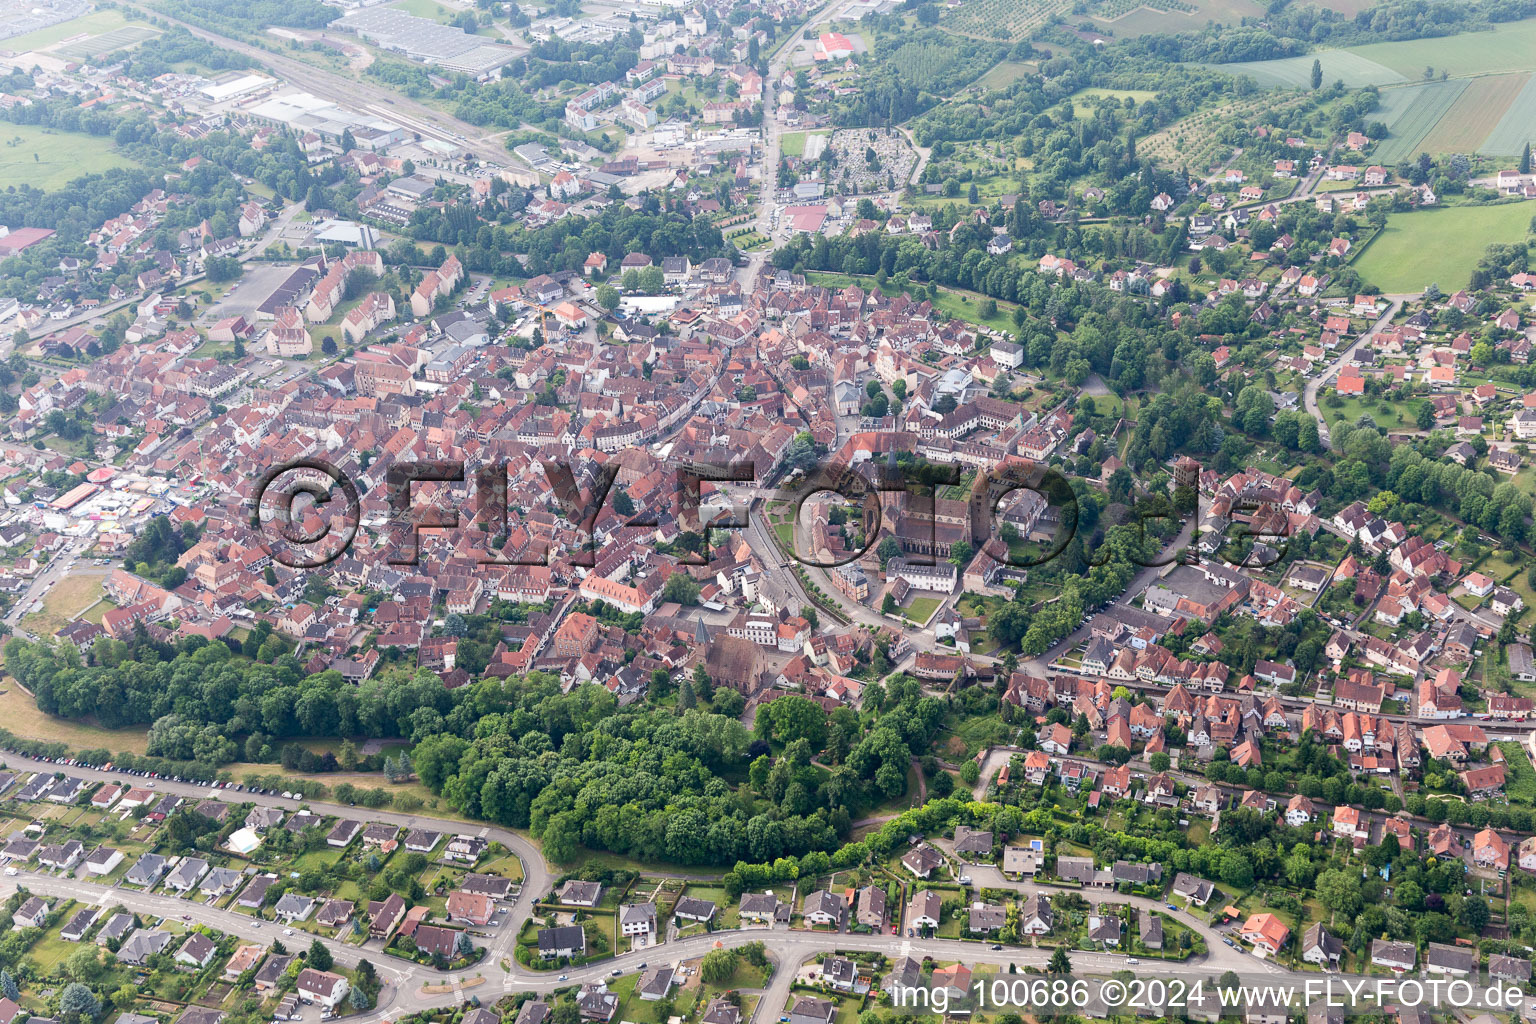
{"type": "Point", "coordinates": [1329, 372]}
{"type": "Point", "coordinates": [59, 566]}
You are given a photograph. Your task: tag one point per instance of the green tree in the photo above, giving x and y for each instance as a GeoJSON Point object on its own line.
{"type": "Point", "coordinates": [78, 1004]}
{"type": "Point", "coordinates": [318, 956]}
{"type": "Point", "coordinates": [682, 588]}
{"type": "Point", "coordinates": [1060, 963]}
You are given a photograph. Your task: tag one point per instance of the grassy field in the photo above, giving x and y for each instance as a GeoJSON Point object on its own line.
{"type": "Point", "coordinates": [1475, 113]}
{"type": "Point", "coordinates": [94, 23]}
{"type": "Point", "coordinates": [1510, 47]}
{"type": "Point", "coordinates": [19, 714]}
{"type": "Point", "coordinates": [1438, 246]}
{"type": "Point", "coordinates": [1516, 127]}
{"type": "Point", "coordinates": [1296, 72]}
{"type": "Point", "coordinates": [49, 159]}
{"type": "Point", "coordinates": [68, 598]}
{"type": "Point", "coordinates": [424, 9]}
{"type": "Point", "coordinates": [1410, 113]}
{"type": "Point", "coordinates": [1006, 73]}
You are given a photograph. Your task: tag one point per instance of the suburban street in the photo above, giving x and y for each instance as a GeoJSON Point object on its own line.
{"type": "Point", "coordinates": [404, 992]}
{"type": "Point", "coordinates": [1331, 371]}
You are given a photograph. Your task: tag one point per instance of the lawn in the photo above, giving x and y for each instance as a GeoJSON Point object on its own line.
{"type": "Point", "coordinates": [49, 159]}
{"type": "Point", "coordinates": [19, 714]}
{"type": "Point", "coordinates": [921, 608]}
{"type": "Point", "coordinates": [792, 144]}
{"type": "Point", "coordinates": [1006, 73]}
{"type": "Point", "coordinates": [508, 866]}
{"type": "Point", "coordinates": [68, 598]}
{"type": "Point", "coordinates": [1438, 246]}
{"type": "Point", "coordinates": [1402, 413]}
{"type": "Point", "coordinates": [650, 1011]}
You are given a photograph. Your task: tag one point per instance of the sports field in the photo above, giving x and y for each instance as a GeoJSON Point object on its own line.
{"type": "Point", "coordinates": [1438, 246]}
{"type": "Point", "coordinates": [95, 23]}
{"type": "Point", "coordinates": [1410, 112]}
{"type": "Point", "coordinates": [107, 42]}
{"type": "Point", "coordinates": [49, 159]}
{"type": "Point", "coordinates": [1516, 127]}
{"type": "Point", "coordinates": [1296, 72]}
{"type": "Point", "coordinates": [1474, 114]}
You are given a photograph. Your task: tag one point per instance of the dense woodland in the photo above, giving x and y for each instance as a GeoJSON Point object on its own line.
{"type": "Point", "coordinates": [576, 768]}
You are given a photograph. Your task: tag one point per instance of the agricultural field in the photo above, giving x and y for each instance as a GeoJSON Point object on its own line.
{"type": "Point", "coordinates": [1005, 20]}
{"type": "Point", "coordinates": [1516, 127]}
{"type": "Point", "coordinates": [1347, 66]}
{"type": "Point", "coordinates": [1109, 10]}
{"type": "Point", "coordinates": [47, 159]}
{"type": "Point", "coordinates": [1438, 246]}
{"type": "Point", "coordinates": [1474, 114]}
{"type": "Point", "coordinates": [1133, 18]}
{"type": "Point", "coordinates": [939, 63]}
{"type": "Point", "coordinates": [1410, 113]}
{"type": "Point", "coordinates": [1510, 47]}
{"type": "Point", "coordinates": [1196, 141]}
